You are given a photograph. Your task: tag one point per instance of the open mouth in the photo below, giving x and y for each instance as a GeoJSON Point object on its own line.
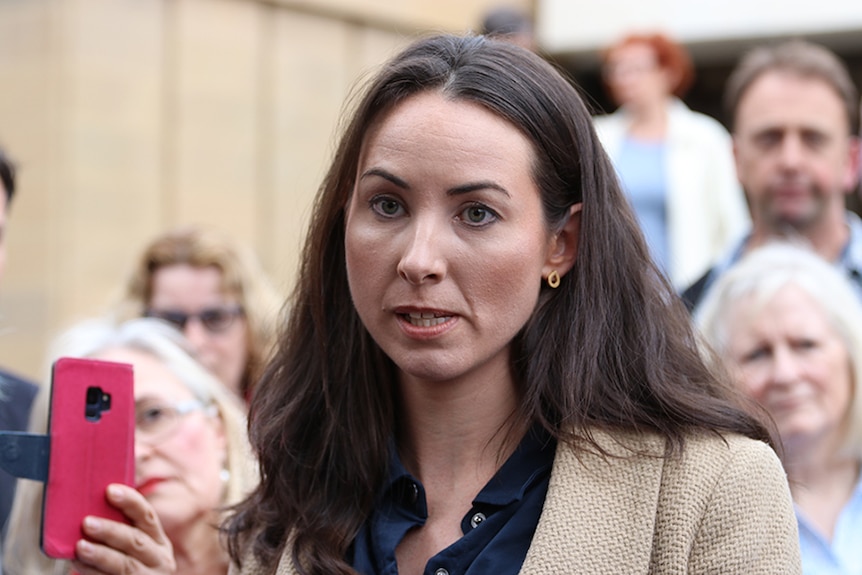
{"type": "Point", "coordinates": [425, 319]}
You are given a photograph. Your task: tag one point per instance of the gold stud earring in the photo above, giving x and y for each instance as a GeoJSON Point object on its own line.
{"type": "Point", "coordinates": [554, 279]}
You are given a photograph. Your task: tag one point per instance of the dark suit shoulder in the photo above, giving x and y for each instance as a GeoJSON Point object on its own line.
{"type": "Point", "coordinates": [16, 397]}
{"type": "Point", "coordinates": [692, 295]}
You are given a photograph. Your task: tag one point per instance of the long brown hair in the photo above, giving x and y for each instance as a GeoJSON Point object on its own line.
{"type": "Point", "coordinates": [611, 348]}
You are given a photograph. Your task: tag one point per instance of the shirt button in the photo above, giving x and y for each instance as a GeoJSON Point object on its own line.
{"type": "Point", "coordinates": [414, 496]}
{"type": "Point", "coordinates": [441, 571]}
{"type": "Point", "coordinates": [477, 520]}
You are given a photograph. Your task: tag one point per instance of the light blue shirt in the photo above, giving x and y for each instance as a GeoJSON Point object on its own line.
{"type": "Point", "coordinates": [850, 259]}
{"type": "Point", "coordinates": [843, 556]}
{"type": "Point", "coordinates": [640, 166]}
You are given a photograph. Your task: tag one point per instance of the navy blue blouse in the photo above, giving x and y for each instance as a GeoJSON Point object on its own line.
{"type": "Point", "coordinates": [497, 530]}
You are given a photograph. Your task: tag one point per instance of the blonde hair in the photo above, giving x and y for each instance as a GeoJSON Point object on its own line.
{"type": "Point", "coordinates": [242, 277]}
{"type": "Point", "coordinates": [22, 555]}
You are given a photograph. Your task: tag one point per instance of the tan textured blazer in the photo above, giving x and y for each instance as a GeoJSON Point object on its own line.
{"type": "Point", "coordinates": [722, 507]}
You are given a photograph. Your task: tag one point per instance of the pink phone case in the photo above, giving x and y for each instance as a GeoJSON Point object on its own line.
{"type": "Point", "coordinates": [91, 428]}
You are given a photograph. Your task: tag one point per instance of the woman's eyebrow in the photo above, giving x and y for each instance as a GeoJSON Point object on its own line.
{"type": "Point", "coordinates": [475, 186]}
{"type": "Point", "coordinates": [381, 173]}
{"type": "Point", "coordinates": [455, 191]}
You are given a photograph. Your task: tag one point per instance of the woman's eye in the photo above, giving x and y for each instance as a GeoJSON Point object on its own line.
{"type": "Point", "coordinates": [755, 355]}
{"type": "Point", "coordinates": [386, 206]}
{"type": "Point", "coordinates": [806, 344]}
{"type": "Point", "coordinates": [478, 214]}
{"type": "Point", "coordinates": [150, 415]}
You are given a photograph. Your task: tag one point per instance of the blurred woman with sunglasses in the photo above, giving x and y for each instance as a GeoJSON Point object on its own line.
{"type": "Point", "coordinates": [213, 291]}
{"type": "Point", "coordinates": [191, 461]}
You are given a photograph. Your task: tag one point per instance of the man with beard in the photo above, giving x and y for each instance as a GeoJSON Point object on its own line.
{"type": "Point", "coordinates": [794, 115]}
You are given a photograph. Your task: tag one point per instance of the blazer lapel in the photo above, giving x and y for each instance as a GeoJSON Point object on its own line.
{"type": "Point", "coordinates": [599, 514]}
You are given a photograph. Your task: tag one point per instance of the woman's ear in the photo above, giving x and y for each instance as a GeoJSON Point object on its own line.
{"type": "Point", "coordinates": [563, 248]}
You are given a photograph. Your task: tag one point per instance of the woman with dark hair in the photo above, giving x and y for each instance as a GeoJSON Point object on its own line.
{"type": "Point", "coordinates": [482, 371]}
{"type": "Point", "coordinates": [676, 165]}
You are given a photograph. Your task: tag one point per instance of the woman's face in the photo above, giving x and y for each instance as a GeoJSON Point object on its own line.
{"type": "Point", "coordinates": [634, 76]}
{"type": "Point", "coordinates": [446, 243]}
{"type": "Point", "coordinates": [177, 465]}
{"type": "Point", "coordinates": [220, 341]}
{"type": "Point", "coordinates": [792, 361]}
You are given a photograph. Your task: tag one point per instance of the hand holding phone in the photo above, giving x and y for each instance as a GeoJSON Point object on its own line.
{"type": "Point", "coordinates": [91, 430]}
{"type": "Point", "coordinates": [139, 547]}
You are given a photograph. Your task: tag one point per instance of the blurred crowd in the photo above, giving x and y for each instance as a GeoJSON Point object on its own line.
{"type": "Point", "coordinates": [499, 296]}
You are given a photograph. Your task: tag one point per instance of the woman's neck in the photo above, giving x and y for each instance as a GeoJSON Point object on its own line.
{"type": "Point", "coordinates": [453, 437]}
{"type": "Point", "coordinates": [455, 430]}
{"type": "Point", "coordinates": [197, 549]}
{"type": "Point", "coordinates": [821, 482]}
{"type": "Point", "coordinates": [648, 120]}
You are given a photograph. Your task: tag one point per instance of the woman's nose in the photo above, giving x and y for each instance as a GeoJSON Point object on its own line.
{"type": "Point", "coordinates": [785, 366]}
{"type": "Point", "coordinates": [423, 256]}
{"type": "Point", "coordinates": [196, 333]}
{"type": "Point", "coordinates": [142, 449]}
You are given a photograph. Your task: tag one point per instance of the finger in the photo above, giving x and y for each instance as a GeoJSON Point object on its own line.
{"type": "Point", "coordinates": [83, 569]}
{"type": "Point", "coordinates": [95, 559]}
{"type": "Point", "coordinates": [103, 561]}
{"type": "Point", "coordinates": [137, 509]}
{"type": "Point", "coordinates": [127, 541]}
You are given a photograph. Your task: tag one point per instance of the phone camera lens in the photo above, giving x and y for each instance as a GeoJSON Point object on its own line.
{"type": "Point", "coordinates": [97, 402]}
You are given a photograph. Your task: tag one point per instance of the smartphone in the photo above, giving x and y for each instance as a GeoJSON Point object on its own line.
{"type": "Point", "coordinates": [91, 426]}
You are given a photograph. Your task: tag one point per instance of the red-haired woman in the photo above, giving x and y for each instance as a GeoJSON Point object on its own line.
{"type": "Point", "coordinates": [675, 164]}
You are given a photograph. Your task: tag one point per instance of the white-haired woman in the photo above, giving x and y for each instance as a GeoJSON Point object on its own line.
{"type": "Point", "coordinates": [191, 460]}
{"type": "Point", "coordinates": [790, 325]}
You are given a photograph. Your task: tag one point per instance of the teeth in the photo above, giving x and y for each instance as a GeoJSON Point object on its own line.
{"type": "Point", "coordinates": [425, 319]}
{"type": "Point", "coordinates": [424, 315]}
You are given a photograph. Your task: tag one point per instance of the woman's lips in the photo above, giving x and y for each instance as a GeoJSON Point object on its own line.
{"type": "Point", "coordinates": [424, 323]}
{"type": "Point", "coordinates": [149, 485]}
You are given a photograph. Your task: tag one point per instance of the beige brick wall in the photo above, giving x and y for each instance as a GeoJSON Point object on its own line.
{"type": "Point", "coordinates": [128, 117]}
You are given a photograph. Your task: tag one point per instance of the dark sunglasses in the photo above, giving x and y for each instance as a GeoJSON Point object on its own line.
{"type": "Point", "coordinates": [214, 319]}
